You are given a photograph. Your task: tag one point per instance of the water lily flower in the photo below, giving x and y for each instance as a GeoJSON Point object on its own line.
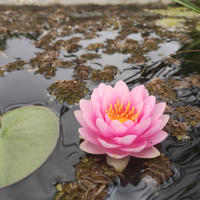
{"type": "Point", "coordinates": [121, 123]}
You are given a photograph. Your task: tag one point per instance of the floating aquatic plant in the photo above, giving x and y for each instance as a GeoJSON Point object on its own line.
{"type": "Point", "coordinates": [27, 136]}
{"type": "Point", "coordinates": [121, 123]}
{"type": "Point", "coordinates": [177, 129]}
{"type": "Point", "coordinates": [125, 47]}
{"type": "Point", "coordinates": [90, 56]}
{"type": "Point", "coordinates": [151, 44]}
{"type": "Point", "coordinates": [89, 35]}
{"type": "Point", "coordinates": [68, 91]}
{"type": "Point", "coordinates": [170, 61]}
{"type": "Point", "coordinates": [82, 72]}
{"type": "Point", "coordinates": [69, 46]}
{"type": "Point", "coordinates": [158, 88]}
{"type": "Point", "coordinates": [79, 61]}
{"type": "Point", "coordinates": [136, 59]}
{"type": "Point", "coordinates": [92, 181]}
{"type": "Point", "coordinates": [174, 35]}
{"type": "Point", "coordinates": [17, 65]}
{"type": "Point", "coordinates": [94, 47]}
{"type": "Point", "coordinates": [158, 169]}
{"type": "Point", "coordinates": [192, 81]}
{"type": "Point", "coordinates": [48, 62]}
{"type": "Point", "coordinates": [191, 115]}
{"type": "Point", "coordinates": [107, 74]}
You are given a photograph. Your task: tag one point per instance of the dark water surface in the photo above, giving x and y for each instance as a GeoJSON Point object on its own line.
{"type": "Point", "coordinates": [21, 88]}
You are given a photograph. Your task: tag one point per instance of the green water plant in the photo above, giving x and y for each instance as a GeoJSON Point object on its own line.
{"type": "Point", "coordinates": [28, 136]}
{"type": "Point", "coordinates": [189, 5]}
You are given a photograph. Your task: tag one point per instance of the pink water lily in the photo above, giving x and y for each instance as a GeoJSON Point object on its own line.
{"type": "Point", "coordinates": [121, 123]}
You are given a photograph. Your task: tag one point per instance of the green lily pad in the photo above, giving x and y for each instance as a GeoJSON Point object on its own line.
{"type": "Point", "coordinates": [27, 137]}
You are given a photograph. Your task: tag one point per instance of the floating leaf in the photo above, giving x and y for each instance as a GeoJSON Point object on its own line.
{"type": "Point", "coordinates": [28, 135]}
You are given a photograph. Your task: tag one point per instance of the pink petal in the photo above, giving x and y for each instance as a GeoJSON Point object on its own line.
{"type": "Point", "coordinates": [111, 95]}
{"type": "Point", "coordinates": [90, 120]}
{"type": "Point", "coordinates": [108, 120]}
{"type": "Point", "coordinates": [104, 128]}
{"type": "Point", "coordinates": [89, 135]}
{"type": "Point", "coordinates": [101, 89]}
{"type": "Point", "coordinates": [116, 153]}
{"type": "Point", "coordinates": [148, 107]}
{"type": "Point", "coordinates": [126, 140]}
{"type": "Point", "coordinates": [138, 108]}
{"type": "Point", "coordinates": [151, 100]}
{"type": "Point", "coordinates": [150, 152]}
{"type": "Point", "coordinates": [95, 98]}
{"type": "Point", "coordinates": [137, 94]}
{"type": "Point", "coordinates": [98, 111]}
{"type": "Point", "coordinates": [165, 119]}
{"type": "Point", "coordinates": [129, 124]}
{"type": "Point", "coordinates": [105, 105]}
{"type": "Point", "coordinates": [85, 106]}
{"type": "Point", "coordinates": [122, 92]}
{"type": "Point", "coordinates": [156, 138]}
{"type": "Point", "coordinates": [107, 143]}
{"type": "Point", "coordinates": [118, 128]}
{"type": "Point", "coordinates": [92, 148]}
{"type": "Point", "coordinates": [155, 126]}
{"type": "Point", "coordinates": [146, 93]}
{"type": "Point", "coordinates": [135, 147]}
{"type": "Point", "coordinates": [79, 116]}
{"type": "Point", "coordinates": [158, 110]}
{"type": "Point", "coordinates": [139, 128]}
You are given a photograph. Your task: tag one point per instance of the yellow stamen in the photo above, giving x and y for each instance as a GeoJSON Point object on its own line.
{"type": "Point", "coordinates": [118, 112]}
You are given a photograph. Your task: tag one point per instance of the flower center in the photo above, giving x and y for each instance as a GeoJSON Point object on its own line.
{"type": "Point", "coordinates": [118, 112]}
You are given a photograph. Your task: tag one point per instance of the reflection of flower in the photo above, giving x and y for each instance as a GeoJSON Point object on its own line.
{"type": "Point", "coordinates": [119, 122]}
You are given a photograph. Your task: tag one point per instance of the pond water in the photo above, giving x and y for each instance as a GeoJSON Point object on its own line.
{"type": "Point", "coordinates": [22, 26]}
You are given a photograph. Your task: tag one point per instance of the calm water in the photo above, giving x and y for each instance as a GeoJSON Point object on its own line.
{"type": "Point", "coordinates": [21, 88]}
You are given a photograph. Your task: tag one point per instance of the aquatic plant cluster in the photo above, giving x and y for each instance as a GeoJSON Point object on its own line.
{"type": "Point", "coordinates": [95, 179]}
{"type": "Point", "coordinates": [56, 23]}
{"type": "Point", "coordinates": [92, 181]}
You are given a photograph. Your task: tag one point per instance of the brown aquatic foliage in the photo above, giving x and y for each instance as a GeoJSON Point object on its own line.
{"type": "Point", "coordinates": [4, 31]}
{"type": "Point", "coordinates": [107, 74]}
{"type": "Point", "coordinates": [85, 72]}
{"type": "Point", "coordinates": [45, 42]}
{"type": "Point", "coordinates": [62, 44]}
{"type": "Point", "coordinates": [151, 44]}
{"type": "Point", "coordinates": [190, 114]}
{"type": "Point", "coordinates": [17, 65]}
{"type": "Point", "coordinates": [92, 181]}
{"type": "Point", "coordinates": [48, 62]}
{"type": "Point", "coordinates": [94, 47]}
{"type": "Point", "coordinates": [158, 168]}
{"type": "Point", "coordinates": [68, 91]}
{"type": "Point", "coordinates": [136, 59]}
{"type": "Point", "coordinates": [158, 88]}
{"type": "Point", "coordinates": [164, 33]}
{"type": "Point", "coordinates": [170, 61]}
{"type": "Point", "coordinates": [176, 129]}
{"type": "Point", "coordinates": [79, 61]}
{"type": "Point", "coordinates": [90, 56]}
{"type": "Point", "coordinates": [128, 31]}
{"type": "Point", "coordinates": [82, 72]}
{"type": "Point", "coordinates": [89, 35]}
{"type": "Point", "coordinates": [125, 47]}
{"type": "Point", "coordinates": [192, 81]}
